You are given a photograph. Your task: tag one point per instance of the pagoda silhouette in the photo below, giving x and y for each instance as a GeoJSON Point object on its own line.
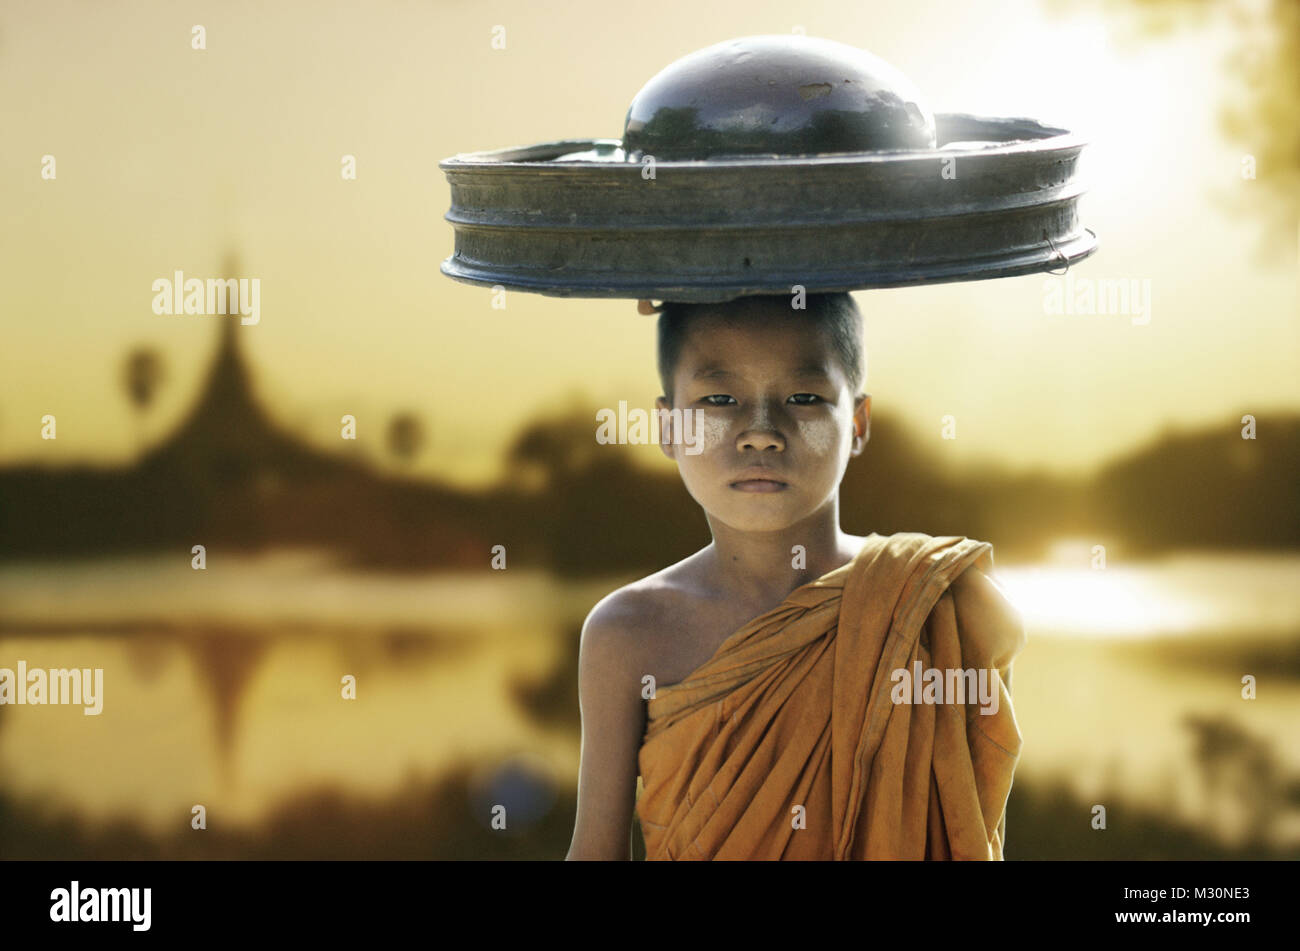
{"type": "Point", "coordinates": [230, 476]}
{"type": "Point", "coordinates": [228, 442]}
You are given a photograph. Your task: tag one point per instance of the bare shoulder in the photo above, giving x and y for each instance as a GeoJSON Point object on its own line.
{"type": "Point", "coordinates": [626, 613]}
{"type": "Point", "coordinates": [988, 618]}
{"type": "Point", "coordinates": [620, 629]}
{"type": "Point", "coordinates": [639, 606]}
{"type": "Point", "coordinates": [635, 622]}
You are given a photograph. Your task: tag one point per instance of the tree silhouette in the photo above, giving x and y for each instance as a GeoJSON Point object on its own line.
{"type": "Point", "coordinates": [143, 375]}
{"type": "Point", "coordinates": [405, 436]}
{"type": "Point", "coordinates": [550, 451]}
{"type": "Point", "coordinates": [1261, 113]}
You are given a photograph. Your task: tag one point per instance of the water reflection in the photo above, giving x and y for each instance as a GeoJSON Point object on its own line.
{"type": "Point", "coordinates": [1182, 593]}
{"type": "Point", "coordinates": [225, 689]}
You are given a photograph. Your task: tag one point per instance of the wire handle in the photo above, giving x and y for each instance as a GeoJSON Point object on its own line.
{"type": "Point", "coordinates": [1048, 239]}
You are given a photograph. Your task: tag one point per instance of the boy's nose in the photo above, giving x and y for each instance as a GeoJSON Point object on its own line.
{"type": "Point", "coordinates": [761, 439]}
{"type": "Point", "coordinates": [761, 433]}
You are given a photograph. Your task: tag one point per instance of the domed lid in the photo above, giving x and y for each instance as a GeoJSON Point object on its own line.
{"type": "Point", "coordinates": [776, 95]}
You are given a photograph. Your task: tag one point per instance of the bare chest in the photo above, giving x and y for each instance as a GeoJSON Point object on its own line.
{"type": "Point", "coordinates": [688, 633]}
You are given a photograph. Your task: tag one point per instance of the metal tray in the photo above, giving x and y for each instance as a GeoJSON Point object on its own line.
{"type": "Point", "coordinates": [578, 218]}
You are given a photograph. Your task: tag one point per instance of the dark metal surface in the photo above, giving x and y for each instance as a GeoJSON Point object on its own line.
{"type": "Point", "coordinates": [763, 163]}
{"type": "Point", "coordinates": [776, 95]}
{"type": "Point", "coordinates": [716, 230]}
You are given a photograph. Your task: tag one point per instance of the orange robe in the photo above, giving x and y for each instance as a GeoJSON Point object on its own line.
{"type": "Point", "coordinates": [795, 709]}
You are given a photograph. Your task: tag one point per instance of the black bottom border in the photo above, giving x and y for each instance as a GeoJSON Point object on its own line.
{"type": "Point", "coordinates": [932, 900]}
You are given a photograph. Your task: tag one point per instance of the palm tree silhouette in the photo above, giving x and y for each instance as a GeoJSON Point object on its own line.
{"type": "Point", "coordinates": [405, 436]}
{"type": "Point", "coordinates": [143, 374]}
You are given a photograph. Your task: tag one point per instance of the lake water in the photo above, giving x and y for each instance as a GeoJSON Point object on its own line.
{"type": "Point", "coordinates": [222, 687]}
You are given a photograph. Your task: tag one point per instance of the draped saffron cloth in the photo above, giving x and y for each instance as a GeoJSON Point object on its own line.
{"type": "Point", "coordinates": [787, 744]}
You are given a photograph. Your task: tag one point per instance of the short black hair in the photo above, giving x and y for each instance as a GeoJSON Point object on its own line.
{"type": "Point", "coordinates": [836, 313]}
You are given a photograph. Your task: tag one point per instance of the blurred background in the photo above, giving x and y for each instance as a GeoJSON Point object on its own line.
{"type": "Point", "coordinates": [475, 425]}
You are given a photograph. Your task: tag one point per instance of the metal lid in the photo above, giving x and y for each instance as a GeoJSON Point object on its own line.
{"type": "Point", "coordinates": [776, 95]}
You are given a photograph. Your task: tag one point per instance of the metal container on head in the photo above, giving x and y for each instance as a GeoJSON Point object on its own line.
{"type": "Point", "coordinates": [763, 164]}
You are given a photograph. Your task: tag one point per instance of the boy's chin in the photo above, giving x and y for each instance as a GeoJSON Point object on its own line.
{"type": "Point", "coordinates": [762, 517]}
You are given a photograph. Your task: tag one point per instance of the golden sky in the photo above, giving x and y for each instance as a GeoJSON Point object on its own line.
{"type": "Point", "coordinates": [168, 157]}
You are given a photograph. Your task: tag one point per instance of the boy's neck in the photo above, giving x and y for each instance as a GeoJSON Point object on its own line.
{"type": "Point", "coordinates": [754, 566]}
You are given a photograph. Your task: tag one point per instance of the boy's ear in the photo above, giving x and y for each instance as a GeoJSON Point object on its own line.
{"type": "Point", "coordinates": [861, 422]}
{"type": "Point", "coordinates": [666, 435]}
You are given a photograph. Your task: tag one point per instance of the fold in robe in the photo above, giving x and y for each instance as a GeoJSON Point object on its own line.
{"type": "Point", "coordinates": [795, 709]}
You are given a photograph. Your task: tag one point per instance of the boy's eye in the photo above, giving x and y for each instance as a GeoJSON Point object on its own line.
{"type": "Point", "coordinates": [799, 399]}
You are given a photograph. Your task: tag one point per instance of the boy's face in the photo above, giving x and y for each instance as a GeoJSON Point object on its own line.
{"type": "Point", "coordinates": [774, 398]}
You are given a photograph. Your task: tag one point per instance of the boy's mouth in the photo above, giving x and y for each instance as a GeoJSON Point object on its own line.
{"type": "Point", "coordinates": [759, 479]}
{"type": "Point", "coordinates": [759, 485]}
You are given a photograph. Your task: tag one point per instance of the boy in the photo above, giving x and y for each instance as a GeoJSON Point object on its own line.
{"type": "Point", "coordinates": [755, 685]}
